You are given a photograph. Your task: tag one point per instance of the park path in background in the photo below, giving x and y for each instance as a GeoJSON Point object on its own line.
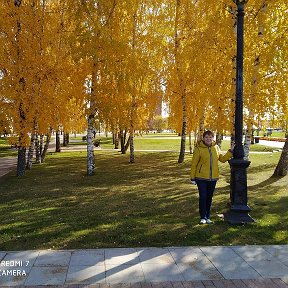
{"type": "Point", "coordinates": [7, 164]}
{"type": "Point", "coordinates": [274, 144]}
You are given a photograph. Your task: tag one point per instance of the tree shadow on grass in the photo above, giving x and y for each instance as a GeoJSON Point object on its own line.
{"type": "Point", "coordinates": [271, 180]}
{"type": "Point", "coordinates": [149, 203]}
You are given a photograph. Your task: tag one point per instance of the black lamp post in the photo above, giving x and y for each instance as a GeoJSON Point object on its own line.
{"type": "Point", "coordinates": [238, 213]}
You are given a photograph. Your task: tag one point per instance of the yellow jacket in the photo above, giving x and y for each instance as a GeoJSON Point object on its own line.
{"type": "Point", "coordinates": [205, 161]}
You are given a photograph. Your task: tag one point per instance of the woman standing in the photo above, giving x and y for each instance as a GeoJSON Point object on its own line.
{"type": "Point", "coordinates": [205, 172]}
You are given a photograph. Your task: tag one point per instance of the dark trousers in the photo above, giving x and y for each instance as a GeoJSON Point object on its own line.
{"type": "Point", "coordinates": [206, 190]}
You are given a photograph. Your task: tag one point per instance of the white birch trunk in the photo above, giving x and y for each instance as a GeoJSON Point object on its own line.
{"type": "Point", "coordinates": [41, 143]}
{"type": "Point", "coordinates": [183, 137]}
{"type": "Point", "coordinates": [116, 140]}
{"type": "Point", "coordinates": [184, 123]}
{"type": "Point", "coordinates": [58, 144]}
{"type": "Point", "coordinates": [31, 151]}
{"type": "Point", "coordinates": [65, 139]}
{"type": "Point", "coordinates": [201, 128]}
{"type": "Point", "coordinates": [90, 146]}
{"type": "Point", "coordinates": [190, 143]}
{"type": "Point", "coordinates": [46, 146]}
{"type": "Point", "coordinates": [219, 138]}
{"type": "Point", "coordinates": [21, 161]}
{"type": "Point", "coordinates": [122, 141]}
{"type": "Point", "coordinates": [37, 150]}
{"type": "Point", "coordinates": [132, 155]}
{"type": "Point", "coordinates": [131, 132]}
{"type": "Point", "coordinates": [90, 124]}
{"type": "Point", "coordinates": [126, 146]}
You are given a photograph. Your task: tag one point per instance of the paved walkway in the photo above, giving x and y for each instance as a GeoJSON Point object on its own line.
{"type": "Point", "coordinates": [233, 266]}
{"type": "Point", "coordinates": [274, 144]}
{"type": "Point", "coordinates": [7, 164]}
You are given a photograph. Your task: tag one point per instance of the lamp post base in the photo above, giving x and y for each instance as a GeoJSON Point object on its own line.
{"type": "Point", "coordinates": [238, 217]}
{"type": "Point", "coordinates": [238, 213]}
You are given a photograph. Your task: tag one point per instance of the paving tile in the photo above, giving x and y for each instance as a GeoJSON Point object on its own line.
{"type": "Point", "coordinates": [2, 255]}
{"type": "Point", "coordinates": [200, 269]}
{"type": "Point", "coordinates": [136, 285]}
{"type": "Point", "coordinates": [262, 261]}
{"type": "Point", "coordinates": [87, 258]}
{"type": "Point", "coordinates": [69, 286]}
{"type": "Point", "coordinates": [239, 284]}
{"type": "Point", "coordinates": [13, 276]}
{"type": "Point", "coordinates": [155, 256]}
{"type": "Point", "coordinates": [124, 273]}
{"type": "Point", "coordinates": [146, 285]}
{"type": "Point", "coordinates": [279, 252]}
{"type": "Point", "coordinates": [208, 284]}
{"type": "Point", "coordinates": [186, 254]}
{"type": "Point", "coordinates": [46, 276]}
{"type": "Point", "coordinates": [264, 283]}
{"type": "Point", "coordinates": [229, 263]}
{"type": "Point", "coordinates": [86, 274]}
{"type": "Point", "coordinates": [16, 267]}
{"type": "Point", "coordinates": [193, 284]}
{"type": "Point", "coordinates": [223, 284]}
{"type": "Point", "coordinates": [193, 264]}
{"type": "Point", "coordinates": [252, 253]}
{"type": "Point", "coordinates": [280, 283]}
{"type": "Point", "coordinates": [27, 258]}
{"type": "Point", "coordinates": [127, 256]}
{"type": "Point", "coordinates": [250, 283]}
{"type": "Point", "coordinates": [162, 285]}
{"type": "Point", "coordinates": [120, 285]}
{"type": "Point", "coordinates": [177, 284]}
{"type": "Point", "coordinates": [161, 272]}
{"type": "Point", "coordinates": [53, 258]}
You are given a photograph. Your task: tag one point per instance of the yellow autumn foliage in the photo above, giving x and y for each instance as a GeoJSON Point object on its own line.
{"type": "Point", "coordinates": [139, 53]}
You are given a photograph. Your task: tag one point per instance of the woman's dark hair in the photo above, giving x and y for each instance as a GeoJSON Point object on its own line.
{"type": "Point", "coordinates": [208, 132]}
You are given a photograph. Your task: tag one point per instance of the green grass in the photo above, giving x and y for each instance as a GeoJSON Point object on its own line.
{"type": "Point", "coordinates": [5, 148]}
{"type": "Point", "coordinates": [279, 134]}
{"type": "Point", "coordinates": [161, 141]}
{"type": "Point", "coordinates": [148, 203]}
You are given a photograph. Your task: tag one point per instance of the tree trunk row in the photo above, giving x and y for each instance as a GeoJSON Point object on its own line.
{"type": "Point", "coordinates": [25, 160]}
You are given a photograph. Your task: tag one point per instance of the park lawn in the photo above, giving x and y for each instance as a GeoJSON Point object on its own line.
{"type": "Point", "coordinates": [170, 142]}
{"type": "Point", "coordinates": [148, 203]}
{"type": "Point", "coordinates": [280, 134]}
{"type": "Point", "coordinates": [145, 142]}
{"type": "Point", "coordinates": [5, 148]}
{"type": "Point", "coordinates": [157, 143]}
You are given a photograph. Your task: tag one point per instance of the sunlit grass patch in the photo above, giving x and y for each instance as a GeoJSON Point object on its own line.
{"type": "Point", "coordinates": [6, 149]}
